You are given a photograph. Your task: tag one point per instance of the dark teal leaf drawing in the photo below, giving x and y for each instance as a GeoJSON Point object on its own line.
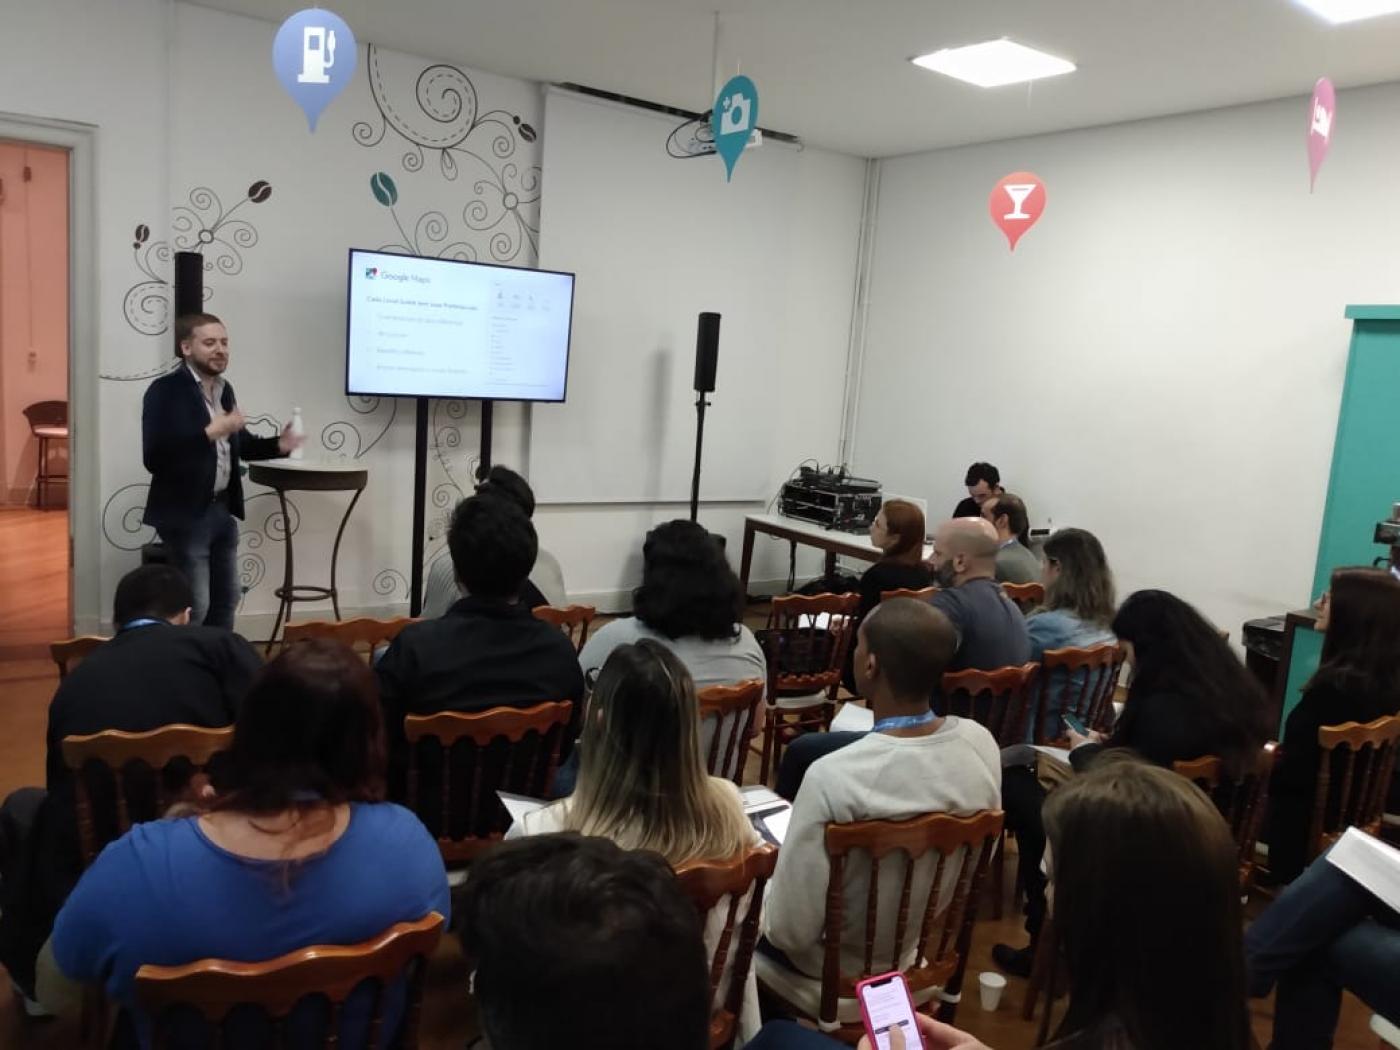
{"type": "Point", "coordinates": [385, 192]}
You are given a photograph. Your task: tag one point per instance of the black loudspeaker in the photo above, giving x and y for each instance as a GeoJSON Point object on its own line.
{"type": "Point", "coordinates": [706, 352]}
{"type": "Point", "coordinates": [189, 288]}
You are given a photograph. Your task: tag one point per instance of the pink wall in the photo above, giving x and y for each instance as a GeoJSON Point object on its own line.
{"type": "Point", "coordinates": [33, 305]}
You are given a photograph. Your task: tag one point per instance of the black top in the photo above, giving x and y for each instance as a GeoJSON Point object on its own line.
{"type": "Point", "coordinates": [144, 678]}
{"type": "Point", "coordinates": [889, 575]}
{"type": "Point", "coordinates": [181, 458]}
{"type": "Point", "coordinates": [1294, 781]}
{"type": "Point", "coordinates": [1161, 727]}
{"type": "Point", "coordinates": [967, 508]}
{"type": "Point", "coordinates": [480, 654]}
{"type": "Point", "coordinates": [991, 630]}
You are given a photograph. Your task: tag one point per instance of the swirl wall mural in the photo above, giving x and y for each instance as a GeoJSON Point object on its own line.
{"type": "Point", "coordinates": [203, 225]}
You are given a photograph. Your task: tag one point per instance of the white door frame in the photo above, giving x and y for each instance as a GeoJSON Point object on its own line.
{"type": "Point", "coordinates": [84, 488]}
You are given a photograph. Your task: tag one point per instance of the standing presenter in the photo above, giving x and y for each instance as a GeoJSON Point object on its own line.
{"type": "Point", "coordinates": [193, 436]}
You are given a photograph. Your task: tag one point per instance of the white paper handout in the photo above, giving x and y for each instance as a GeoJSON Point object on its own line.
{"type": "Point", "coordinates": [852, 718]}
{"type": "Point", "coordinates": [1371, 862]}
{"type": "Point", "coordinates": [519, 805]}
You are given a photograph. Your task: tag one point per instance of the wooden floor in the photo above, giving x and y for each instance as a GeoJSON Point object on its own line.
{"type": "Point", "coordinates": [33, 610]}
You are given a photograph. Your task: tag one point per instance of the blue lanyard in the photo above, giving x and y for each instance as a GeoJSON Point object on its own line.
{"type": "Point", "coordinates": [904, 722]}
{"type": "Point", "coordinates": [144, 621]}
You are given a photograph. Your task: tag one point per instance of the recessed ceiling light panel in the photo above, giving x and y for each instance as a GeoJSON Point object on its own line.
{"type": "Point", "coordinates": [997, 62]}
{"type": "Point", "coordinates": [1339, 11]}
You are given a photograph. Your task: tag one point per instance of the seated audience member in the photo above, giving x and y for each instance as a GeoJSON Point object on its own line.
{"type": "Point", "coordinates": [1189, 696]}
{"type": "Point", "coordinates": [898, 530]}
{"type": "Point", "coordinates": [1076, 613]}
{"type": "Point", "coordinates": [1324, 934]}
{"type": "Point", "coordinates": [642, 781]}
{"type": "Point", "coordinates": [983, 481]}
{"type": "Point", "coordinates": [489, 650]}
{"type": "Point", "coordinates": [157, 671]}
{"type": "Point", "coordinates": [1358, 680]}
{"type": "Point", "coordinates": [989, 631]}
{"type": "Point", "coordinates": [912, 763]}
{"type": "Point", "coordinates": [1129, 824]}
{"type": "Point", "coordinates": [291, 853]}
{"type": "Point", "coordinates": [575, 942]}
{"type": "Point", "coordinates": [1016, 562]}
{"type": "Point", "coordinates": [691, 602]}
{"type": "Point", "coordinates": [545, 585]}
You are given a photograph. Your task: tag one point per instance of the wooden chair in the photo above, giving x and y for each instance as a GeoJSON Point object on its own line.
{"type": "Point", "coordinates": [1084, 680]}
{"type": "Point", "coordinates": [922, 594]}
{"type": "Point", "coordinates": [1026, 596]}
{"type": "Point", "coordinates": [1000, 700]}
{"type": "Point", "coordinates": [573, 620]}
{"type": "Point", "coordinates": [363, 634]}
{"type": "Point", "coordinates": [117, 750]}
{"type": "Point", "coordinates": [963, 846]}
{"type": "Point", "coordinates": [506, 748]}
{"type": "Point", "coordinates": [804, 667]}
{"type": "Point", "coordinates": [71, 651]}
{"type": "Point", "coordinates": [1241, 801]}
{"type": "Point", "coordinates": [1360, 797]}
{"type": "Point", "coordinates": [214, 988]}
{"type": "Point", "coordinates": [740, 883]}
{"type": "Point", "coordinates": [733, 710]}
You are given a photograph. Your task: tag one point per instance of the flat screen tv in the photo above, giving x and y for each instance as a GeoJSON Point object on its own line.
{"type": "Point", "coordinates": [423, 327]}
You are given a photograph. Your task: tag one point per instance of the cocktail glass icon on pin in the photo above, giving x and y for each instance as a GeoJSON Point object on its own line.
{"type": "Point", "coordinates": [1026, 194]}
{"type": "Point", "coordinates": [317, 54]}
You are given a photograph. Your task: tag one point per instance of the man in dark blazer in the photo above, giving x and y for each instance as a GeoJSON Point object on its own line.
{"type": "Point", "coordinates": [157, 671]}
{"type": "Point", "coordinates": [193, 439]}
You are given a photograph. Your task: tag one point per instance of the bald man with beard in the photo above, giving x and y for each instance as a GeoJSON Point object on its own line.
{"type": "Point", "coordinates": [991, 632]}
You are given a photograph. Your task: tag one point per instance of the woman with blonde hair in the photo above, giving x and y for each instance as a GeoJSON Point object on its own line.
{"type": "Point", "coordinates": [642, 780]}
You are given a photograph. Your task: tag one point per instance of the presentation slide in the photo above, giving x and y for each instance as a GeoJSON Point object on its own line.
{"type": "Point", "coordinates": [422, 327]}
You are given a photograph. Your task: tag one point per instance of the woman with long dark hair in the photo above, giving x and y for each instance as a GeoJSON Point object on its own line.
{"type": "Point", "coordinates": [691, 602]}
{"type": "Point", "coordinates": [1357, 680]}
{"type": "Point", "coordinates": [1146, 887]}
{"type": "Point", "coordinates": [1188, 695]}
{"type": "Point", "coordinates": [288, 853]}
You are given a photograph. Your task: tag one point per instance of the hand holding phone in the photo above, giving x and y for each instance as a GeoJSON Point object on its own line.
{"type": "Point", "coordinates": [884, 1006]}
{"type": "Point", "coordinates": [1075, 724]}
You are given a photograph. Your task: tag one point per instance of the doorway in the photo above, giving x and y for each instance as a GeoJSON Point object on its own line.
{"type": "Point", "coordinates": [35, 457]}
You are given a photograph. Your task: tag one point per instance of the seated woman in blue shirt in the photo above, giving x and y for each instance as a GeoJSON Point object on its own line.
{"type": "Point", "coordinates": [1078, 609]}
{"type": "Point", "coordinates": [296, 849]}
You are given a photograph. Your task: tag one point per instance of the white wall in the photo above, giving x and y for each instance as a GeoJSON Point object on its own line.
{"type": "Point", "coordinates": [183, 99]}
{"type": "Point", "coordinates": [1161, 359]}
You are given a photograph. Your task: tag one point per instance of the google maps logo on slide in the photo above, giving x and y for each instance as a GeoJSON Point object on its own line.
{"type": "Point", "coordinates": [371, 272]}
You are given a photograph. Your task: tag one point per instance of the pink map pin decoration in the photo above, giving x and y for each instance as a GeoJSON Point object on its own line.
{"type": "Point", "coordinates": [1016, 204]}
{"type": "Point", "coordinates": [1322, 113]}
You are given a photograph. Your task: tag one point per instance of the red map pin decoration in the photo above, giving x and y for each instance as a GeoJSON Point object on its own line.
{"type": "Point", "coordinates": [1322, 110]}
{"type": "Point", "coordinates": [1016, 204]}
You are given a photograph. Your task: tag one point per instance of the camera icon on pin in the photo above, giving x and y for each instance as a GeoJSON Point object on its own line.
{"type": "Point", "coordinates": [735, 116]}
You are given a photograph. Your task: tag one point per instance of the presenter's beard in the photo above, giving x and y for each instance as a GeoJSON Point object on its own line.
{"type": "Point", "coordinates": [211, 369]}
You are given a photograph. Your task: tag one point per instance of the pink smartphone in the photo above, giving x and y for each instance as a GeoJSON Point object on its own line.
{"type": "Point", "coordinates": [885, 1004]}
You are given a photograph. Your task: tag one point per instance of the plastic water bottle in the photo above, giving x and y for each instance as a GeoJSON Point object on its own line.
{"type": "Point", "coordinates": [299, 431]}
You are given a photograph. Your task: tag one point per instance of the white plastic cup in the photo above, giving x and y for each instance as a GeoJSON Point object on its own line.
{"type": "Point", "coordinates": [991, 986]}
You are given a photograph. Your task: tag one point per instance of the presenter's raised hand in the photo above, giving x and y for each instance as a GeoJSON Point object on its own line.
{"type": "Point", "coordinates": [287, 441]}
{"type": "Point", "coordinates": [231, 422]}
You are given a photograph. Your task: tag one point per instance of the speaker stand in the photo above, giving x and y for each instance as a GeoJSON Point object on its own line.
{"type": "Point", "coordinates": [420, 497]}
{"type": "Point", "coordinates": [700, 405]}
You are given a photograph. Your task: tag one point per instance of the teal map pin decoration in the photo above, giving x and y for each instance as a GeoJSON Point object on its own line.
{"type": "Point", "coordinates": [733, 119]}
{"type": "Point", "coordinates": [314, 55]}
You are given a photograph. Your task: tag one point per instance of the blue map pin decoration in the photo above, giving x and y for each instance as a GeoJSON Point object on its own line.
{"type": "Point", "coordinates": [314, 56]}
{"type": "Point", "coordinates": [733, 119]}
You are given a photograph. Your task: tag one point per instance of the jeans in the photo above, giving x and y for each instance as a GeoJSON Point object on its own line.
{"type": "Point", "coordinates": [1323, 934]}
{"type": "Point", "coordinates": [802, 752]}
{"type": "Point", "coordinates": [207, 553]}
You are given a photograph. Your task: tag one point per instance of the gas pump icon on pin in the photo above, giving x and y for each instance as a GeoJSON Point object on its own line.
{"type": "Point", "coordinates": [317, 54]}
